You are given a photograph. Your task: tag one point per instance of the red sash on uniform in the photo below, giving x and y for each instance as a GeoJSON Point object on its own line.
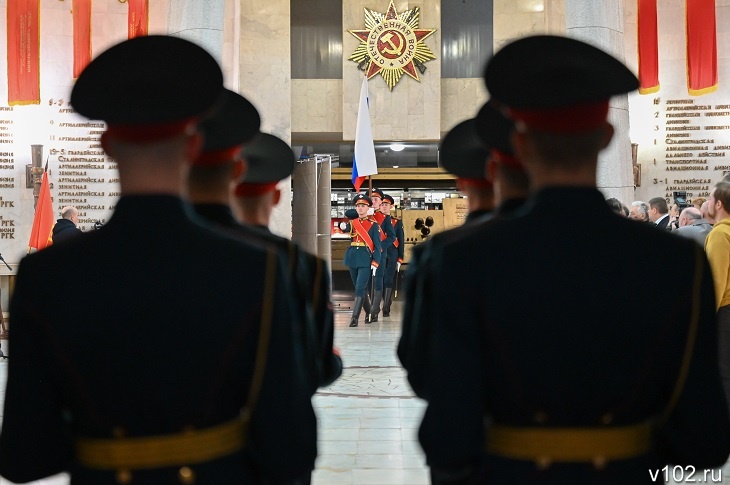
{"type": "Point", "coordinates": [380, 217]}
{"type": "Point", "coordinates": [362, 231]}
{"type": "Point", "coordinates": [393, 220]}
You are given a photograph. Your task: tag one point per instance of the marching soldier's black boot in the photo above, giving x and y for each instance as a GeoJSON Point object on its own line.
{"type": "Point", "coordinates": [366, 304]}
{"type": "Point", "coordinates": [356, 309]}
{"type": "Point", "coordinates": [374, 309]}
{"type": "Point", "coordinates": [387, 300]}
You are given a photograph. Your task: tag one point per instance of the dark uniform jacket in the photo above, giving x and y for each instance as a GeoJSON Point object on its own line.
{"type": "Point", "coordinates": [387, 230]}
{"type": "Point", "coordinates": [308, 279]}
{"type": "Point", "coordinates": [64, 230]}
{"type": "Point", "coordinates": [396, 251]}
{"type": "Point", "coordinates": [359, 255]}
{"type": "Point", "coordinates": [540, 338]}
{"type": "Point", "coordinates": [163, 340]}
{"type": "Point", "coordinates": [417, 328]}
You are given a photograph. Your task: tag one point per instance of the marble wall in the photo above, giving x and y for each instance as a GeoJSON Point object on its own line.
{"type": "Point", "coordinates": [265, 78]}
{"type": "Point", "coordinates": [317, 105]}
{"type": "Point", "coordinates": [460, 100]}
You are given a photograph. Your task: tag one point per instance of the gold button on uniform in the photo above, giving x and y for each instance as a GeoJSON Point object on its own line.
{"type": "Point", "coordinates": [186, 475]}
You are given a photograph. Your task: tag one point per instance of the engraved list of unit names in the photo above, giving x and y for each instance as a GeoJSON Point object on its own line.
{"type": "Point", "coordinates": [695, 149]}
{"type": "Point", "coordinates": [9, 179]}
{"type": "Point", "coordinates": [84, 176]}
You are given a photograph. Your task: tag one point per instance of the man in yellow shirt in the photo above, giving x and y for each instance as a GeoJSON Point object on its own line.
{"type": "Point", "coordinates": [717, 247]}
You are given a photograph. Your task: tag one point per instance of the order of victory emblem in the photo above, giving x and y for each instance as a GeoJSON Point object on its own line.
{"type": "Point", "coordinates": [392, 44]}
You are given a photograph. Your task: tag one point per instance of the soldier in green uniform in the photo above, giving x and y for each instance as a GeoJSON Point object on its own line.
{"type": "Point", "coordinates": [364, 255]}
{"type": "Point", "coordinates": [393, 254]}
{"type": "Point", "coordinates": [235, 151]}
{"type": "Point", "coordinates": [543, 375]}
{"type": "Point", "coordinates": [180, 369]}
{"type": "Point", "coordinates": [387, 237]}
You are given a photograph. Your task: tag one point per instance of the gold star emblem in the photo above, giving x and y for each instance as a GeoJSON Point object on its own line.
{"type": "Point", "coordinates": [392, 44]}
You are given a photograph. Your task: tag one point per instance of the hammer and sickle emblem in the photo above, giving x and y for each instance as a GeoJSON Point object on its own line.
{"type": "Point", "coordinates": [394, 50]}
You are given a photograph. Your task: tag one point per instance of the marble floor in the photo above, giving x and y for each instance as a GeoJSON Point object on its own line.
{"type": "Point", "coordinates": [368, 419]}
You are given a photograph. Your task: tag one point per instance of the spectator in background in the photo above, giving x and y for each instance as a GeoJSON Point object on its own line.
{"type": "Point", "coordinates": [705, 211]}
{"type": "Point", "coordinates": [659, 213]}
{"type": "Point", "coordinates": [693, 226]}
{"type": "Point", "coordinates": [697, 202]}
{"type": "Point", "coordinates": [65, 227]}
{"type": "Point", "coordinates": [639, 211]}
{"type": "Point", "coordinates": [717, 247]}
{"type": "Point", "coordinates": [615, 205]}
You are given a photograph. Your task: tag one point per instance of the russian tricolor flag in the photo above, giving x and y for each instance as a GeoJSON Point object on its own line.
{"type": "Point", "coordinates": [364, 163]}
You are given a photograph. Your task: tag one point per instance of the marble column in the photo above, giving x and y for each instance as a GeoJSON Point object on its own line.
{"type": "Point", "coordinates": [199, 21]}
{"type": "Point", "coordinates": [265, 79]}
{"type": "Point", "coordinates": [304, 209]}
{"type": "Point", "coordinates": [324, 209]}
{"type": "Point", "coordinates": [601, 23]}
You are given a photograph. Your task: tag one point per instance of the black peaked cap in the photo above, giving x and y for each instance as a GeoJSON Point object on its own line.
{"type": "Point", "coordinates": [494, 129]}
{"type": "Point", "coordinates": [270, 159]}
{"type": "Point", "coordinates": [546, 71]}
{"type": "Point", "coordinates": [148, 80]}
{"type": "Point", "coordinates": [235, 123]}
{"type": "Point", "coordinates": [462, 153]}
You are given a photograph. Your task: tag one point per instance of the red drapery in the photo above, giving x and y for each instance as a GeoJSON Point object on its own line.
{"type": "Point", "coordinates": [647, 36]}
{"type": "Point", "coordinates": [82, 35]}
{"type": "Point", "coordinates": [701, 47]}
{"type": "Point", "coordinates": [23, 52]}
{"type": "Point", "coordinates": [138, 18]}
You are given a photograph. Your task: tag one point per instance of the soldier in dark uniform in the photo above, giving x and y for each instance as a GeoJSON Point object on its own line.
{"type": "Point", "coordinates": [180, 369]}
{"type": "Point", "coordinates": [231, 135]}
{"type": "Point", "coordinates": [270, 160]}
{"type": "Point", "coordinates": [543, 375]}
{"type": "Point", "coordinates": [465, 155]}
{"type": "Point", "coordinates": [364, 255]}
{"type": "Point", "coordinates": [393, 254]}
{"type": "Point", "coordinates": [387, 237]}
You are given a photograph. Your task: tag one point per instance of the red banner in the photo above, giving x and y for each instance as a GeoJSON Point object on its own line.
{"type": "Point", "coordinates": [701, 47]}
{"type": "Point", "coordinates": [82, 35]}
{"type": "Point", "coordinates": [40, 235]}
{"type": "Point", "coordinates": [138, 18]}
{"type": "Point", "coordinates": [647, 36]}
{"type": "Point", "coordinates": [23, 52]}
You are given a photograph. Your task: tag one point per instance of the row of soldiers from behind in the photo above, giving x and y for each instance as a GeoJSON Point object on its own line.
{"type": "Point", "coordinates": [118, 393]}
{"type": "Point", "coordinates": [376, 247]}
{"type": "Point", "coordinates": [534, 372]}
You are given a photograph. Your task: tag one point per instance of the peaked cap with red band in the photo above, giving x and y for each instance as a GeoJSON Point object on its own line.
{"type": "Point", "coordinates": [361, 199]}
{"type": "Point", "coordinates": [269, 160]}
{"type": "Point", "coordinates": [235, 123]}
{"type": "Point", "coordinates": [556, 84]}
{"type": "Point", "coordinates": [463, 154]}
{"type": "Point", "coordinates": [149, 88]}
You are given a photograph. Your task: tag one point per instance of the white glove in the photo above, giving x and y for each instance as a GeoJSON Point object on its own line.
{"type": "Point", "coordinates": [398, 268]}
{"type": "Point", "coordinates": [343, 226]}
{"type": "Point", "coordinates": [374, 268]}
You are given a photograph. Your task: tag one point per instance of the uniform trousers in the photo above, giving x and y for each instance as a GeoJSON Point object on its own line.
{"type": "Point", "coordinates": [360, 277]}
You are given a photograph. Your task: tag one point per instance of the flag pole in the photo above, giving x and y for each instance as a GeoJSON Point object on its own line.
{"type": "Point", "coordinates": [370, 185]}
